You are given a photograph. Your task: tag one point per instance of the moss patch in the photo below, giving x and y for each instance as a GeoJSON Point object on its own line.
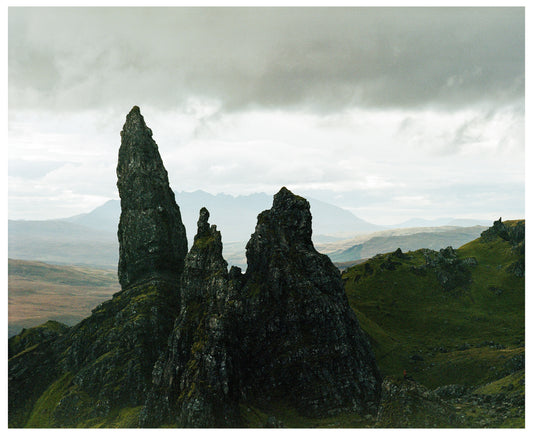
{"type": "Point", "coordinates": [42, 414]}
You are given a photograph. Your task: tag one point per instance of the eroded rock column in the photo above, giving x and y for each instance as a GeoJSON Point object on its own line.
{"type": "Point", "coordinates": [151, 234]}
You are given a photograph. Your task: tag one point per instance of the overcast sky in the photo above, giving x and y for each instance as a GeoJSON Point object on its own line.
{"type": "Point", "coordinates": [391, 113]}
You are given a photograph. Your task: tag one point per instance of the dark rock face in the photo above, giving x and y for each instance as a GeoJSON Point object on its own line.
{"type": "Point", "coordinates": [113, 351]}
{"type": "Point", "coordinates": [189, 341]}
{"type": "Point", "coordinates": [303, 344]}
{"type": "Point", "coordinates": [151, 233]}
{"type": "Point", "coordinates": [34, 363]}
{"type": "Point", "coordinates": [106, 360]}
{"type": "Point", "coordinates": [193, 382]}
{"type": "Point", "coordinates": [281, 333]}
{"type": "Point", "coordinates": [30, 337]}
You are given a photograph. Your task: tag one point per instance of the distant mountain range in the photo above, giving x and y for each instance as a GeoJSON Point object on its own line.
{"type": "Point", "coordinates": [387, 241]}
{"type": "Point", "coordinates": [234, 216]}
{"type": "Point", "coordinates": [417, 222]}
{"type": "Point", "coordinates": [90, 238]}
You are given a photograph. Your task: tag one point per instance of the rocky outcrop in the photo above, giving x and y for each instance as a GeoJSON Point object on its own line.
{"type": "Point", "coordinates": [34, 363]}
{"type": "Point", "coordinates": [151, 233]}
{"type": "Point", "coordinates": [408, 404]}
{"type": "Point", "coordinates": [194, 380]}
{"type": "Point", "coordinates": [303, 345]}
{"type": "Point", "coordinates": [112, 352]}
{"type": "Point", "coordinates": [282, 333]}
{"type": "Point", "coordinates": [106, 361]}
{"type": "Point", "coordinates": [27, 338]}
{"type": "Point", "coordinates": [450, 270]}
{"type": "Point", "coordinates": [513, 232]}
{"type": "Point", "coordinates": [190, 342]}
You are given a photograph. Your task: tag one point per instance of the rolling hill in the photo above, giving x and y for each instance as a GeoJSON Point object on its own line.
{"type": "Point", "coordinates": [453, 317]}
{"type": "Point", "coordinates": [39, 292]}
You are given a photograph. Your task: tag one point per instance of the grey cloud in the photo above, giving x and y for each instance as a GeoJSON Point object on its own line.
{"type": "Point", "coordinates": [318, 58]}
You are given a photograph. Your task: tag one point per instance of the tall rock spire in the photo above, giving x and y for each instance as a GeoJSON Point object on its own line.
{"type": "Point", "coordinates": [303, 343]}
{"type": "Point", "coordinates": [150, 233]}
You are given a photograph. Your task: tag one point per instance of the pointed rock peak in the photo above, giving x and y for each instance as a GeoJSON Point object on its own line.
{"type": "Point", "coordinates": [135, 122]}
{"type": "Point", "coordinates": [151, 233]}
{"type": "Point", "coordinates": [203, 224]}
{"type": "Point", "coordinates": [285, 199]}
{"type": "Point", "coordinates": [207, 235]}
{"type": "Point", "coordinates": [135, 111]}
{"type": "Point", "coordinates": [289, 217]}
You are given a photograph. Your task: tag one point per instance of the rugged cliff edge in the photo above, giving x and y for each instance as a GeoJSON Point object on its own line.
{"type": "Point", "coordinates": [187, 343]}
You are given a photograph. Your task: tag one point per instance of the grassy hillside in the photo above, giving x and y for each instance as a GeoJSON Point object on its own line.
{"type": "Point", "coordinates": [454, 320]}
{"type": "Point", "coordinates": [470, 332]}
{"type": "Point", "coordinates": [39, 292]}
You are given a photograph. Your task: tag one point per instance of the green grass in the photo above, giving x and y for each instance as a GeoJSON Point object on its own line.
{"type": "Point", "coordinates": [256, 416]}
{"type": "Point", "coordinates": [513, 382]}
{"type": "Point", "coordinates": [42, 413]}
{"type": "Point", "coordinates": [410, 315]}
{"type": "Point", "coordinates": [466, 335]}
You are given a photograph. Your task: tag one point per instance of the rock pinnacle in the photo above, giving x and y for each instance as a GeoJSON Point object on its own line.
{"type": "Point", "coordinates": [151, 234]}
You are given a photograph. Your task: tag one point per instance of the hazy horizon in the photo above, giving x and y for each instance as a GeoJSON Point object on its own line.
{"type": "Point", "coordinates": [390, 113]}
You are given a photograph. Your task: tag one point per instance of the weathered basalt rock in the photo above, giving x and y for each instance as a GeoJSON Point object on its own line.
{"type": "Point", "coordinates": [34, 363]}
{"type": "Point", "coordinates": [191, 341]}
{"type": "Point", "coordinates": [105, 362]}
{"type": "Point", "coordinates": [151, 233]}
{"type": "Point", "coordinates": [511, 231]}
{"type": "Point", "coordinates": [281, 333]}
{"type": "Point", "coordinates": [194, 380]}
{"type": "Point", "coordinates": [303, 345]}
{"type": "Point", "coordinates": [32, 336]}
{"type": "Point", "coordinates": [451, 271]}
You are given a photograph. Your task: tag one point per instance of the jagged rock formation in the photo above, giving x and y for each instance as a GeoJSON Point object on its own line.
{"type": "Point", "coordinates": [303, 344]}
{"type": "Point", "coordinates": [282, 333]}
{"type": "Point", "coordinates": [190, 342]}
{"type": "Point", "coordinates": [34, 364]}
{"type": "Point", "coordinates": [451, 271]}
{"type": "Point", "coordinates": [151, 234]}
{"type": "Point", "coordinates": [511, 231]}
{"type": "Point", "coordinates": [193, 381]}
{"type": "Point", "coordinates": [46, 332]}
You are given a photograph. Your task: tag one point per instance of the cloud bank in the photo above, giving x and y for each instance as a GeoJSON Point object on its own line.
{"type": "Point", "coordinates": [390, 112]}
{"type": "Point", "coordinates": [320, 59]}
